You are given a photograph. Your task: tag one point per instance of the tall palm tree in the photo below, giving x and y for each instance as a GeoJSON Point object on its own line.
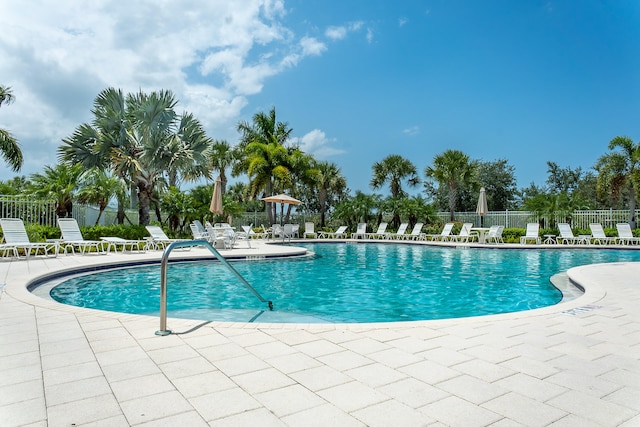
{"type": "Point", "coordinates": [329, 182]}
{"type": "Point", "coordinates": [393, 170]}
{"type": "Point", "coordinates": [267, 166]}
{"type": "Point", "coordinates": [221, 156]}
{"type": "Point", "coordinates": [263, 155]}
{"type": "Point", "coordinates": [452, 169]}
{"type": "Point", "coordinates": [9, 146]}
{"type": "Point", "coordinates": [621, 169]}
{"type": "Point", "coordinates": [59, 182]}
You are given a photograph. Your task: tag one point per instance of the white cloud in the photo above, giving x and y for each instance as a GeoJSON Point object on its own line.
{"type": "Point", "coordinates": [402, 21]}
{"type": "Point", "coordinates": [317, 143]}
{"type": "Point", "coordinates": [336, 33]}
{"type": "Point", "coordinates": [311, 46]}
{"type": "Point", "coordinates": [411, 131]}
{"type": "Point", "coordinates": [340, 32]}
{"type": "Point", "coordinates": [369, 35]}
{"type": "Point", "coordinates": [213, 55]}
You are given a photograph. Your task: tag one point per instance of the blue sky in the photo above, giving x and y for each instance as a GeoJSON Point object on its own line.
{"type": "Point", "coordinates": [358, 80]}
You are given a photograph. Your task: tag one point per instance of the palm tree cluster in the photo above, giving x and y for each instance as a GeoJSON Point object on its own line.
{"type": "Point", "coordinates": [137, 148]}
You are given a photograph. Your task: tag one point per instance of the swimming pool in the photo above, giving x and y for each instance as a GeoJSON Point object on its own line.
{"type": "Point", "coordinates": [344, 283]}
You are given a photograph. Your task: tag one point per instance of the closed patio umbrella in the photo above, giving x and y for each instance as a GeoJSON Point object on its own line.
{"type": "Point", "coordinates": [482, 206]}
{"type": "Point", "coordinates": [282, 199]}
{"type": "Point", "coordinates": [216, 198]}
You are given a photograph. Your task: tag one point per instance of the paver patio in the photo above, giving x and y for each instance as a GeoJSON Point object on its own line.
{"type": "Point", "coordinates": [573, 364]}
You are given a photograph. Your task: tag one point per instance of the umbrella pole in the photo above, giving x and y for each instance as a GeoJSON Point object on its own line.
{"type": "Point", "coordinates": [282, 214]}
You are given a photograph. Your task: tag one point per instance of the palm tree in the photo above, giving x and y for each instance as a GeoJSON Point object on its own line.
{"type": "Point", "coordinates": [263, 155]}
{"type": "Point", "coordinates": [98, 188]}
{"type": "Point", "coordinates": [266, 167]}
{"type": "Point", "coordinates": [452, 169]}
{"type": "Point", "coordinates": [59, 182]}
{"type": "Point", "coordinates": [393, 170]}
{"type": "Point", "coordinates": [221, 157]}
{"type": "Point", "coordinates": [9, 147]}
{"type": "Point", "coordinates": [141, 139]}
{"type": "Point", "coordinates": [621, 168]}
{"type": "Point", "coordinates": [329, 182]}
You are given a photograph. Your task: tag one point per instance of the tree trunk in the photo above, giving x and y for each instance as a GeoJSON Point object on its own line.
{"type": "Point", "coordinates": [144, 198]}
{"type": "Point", "coordinates": [120, 214]}
{"type": "Point", "coordinates": [452, 202]}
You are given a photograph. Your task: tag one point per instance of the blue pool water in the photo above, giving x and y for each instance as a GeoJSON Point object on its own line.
{"type": "Point", "coordinates": [345, 283]}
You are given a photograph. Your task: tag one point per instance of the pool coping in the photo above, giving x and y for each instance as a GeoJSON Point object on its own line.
{"type": "Point", "coordinates": [272, 250]}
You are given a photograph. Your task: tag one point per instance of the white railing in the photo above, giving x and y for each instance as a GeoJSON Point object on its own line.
{"type": "Point", "coordinates": [30, 211]}
{"type": "Point", "coordinates": [43, 212]}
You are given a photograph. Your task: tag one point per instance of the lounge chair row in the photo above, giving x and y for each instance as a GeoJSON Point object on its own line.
{"type": "Point", "coordinates": [597, 236]}
{"type": "Point", "coordinates": [16, 240]}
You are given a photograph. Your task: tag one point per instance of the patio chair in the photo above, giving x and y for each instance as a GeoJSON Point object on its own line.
{"type": "Point", "coordinates": [159, 239]}
{"type": "Point", "coordinates": [566, 235]}
{"type": "Point", "coordinates": [465, 234]}
{"type": "Point", "coordinates": [494, 235]}
{"type": "Point", "coordinates": [15, 237]}
{"type": "Point", "coordinates": [416, 233]}
{"type": "Point", "coordinates": [131, 245]}
{"type": "Point", "coordinates": [532, 233]}
{"type": "Point", "coordinates": [598, 235]}
{"type": "Point", "coordinates": [340, 232]}
{"type": "Point", "coordinates": [199, 230]}
{"type": "Point", "coordinates": [288, 232]}
{"type": "Point", "coordinates": [399, 234]}
{"type": "Point", "coordinates": [216, 236]}
{"type": "Point", "coordinates": [380, 233]}
{"type": "Point", "coordinates": [246, 234]}
{"type": "Point", "coordinates": [361, 231]}
{"type": "Point", "coordinates": [277, 231]}
{"type": "Point", "coordinates": [309, 230]}
{"type": "Point", "coordinates": [72, 238]}
{"type": "Point", "coordinates": [444, 234]}
{"type": "Point", "coordinates": [625, 235]}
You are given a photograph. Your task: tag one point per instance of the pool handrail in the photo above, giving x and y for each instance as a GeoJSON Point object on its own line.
{"type": "Point", "coordinates": [163, 278]}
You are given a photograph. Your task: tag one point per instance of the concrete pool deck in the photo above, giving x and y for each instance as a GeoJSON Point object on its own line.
{"type": "Point", "coordinates": [573, 364]}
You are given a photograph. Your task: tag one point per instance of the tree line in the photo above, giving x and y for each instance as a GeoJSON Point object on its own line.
{"type": "Point", "coordinates": [139, 150]}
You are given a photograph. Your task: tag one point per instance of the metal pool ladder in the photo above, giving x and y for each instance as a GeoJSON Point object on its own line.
{"type": "Point", "coordinates": [163, 278]}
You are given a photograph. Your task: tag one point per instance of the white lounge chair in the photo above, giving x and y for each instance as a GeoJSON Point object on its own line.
{"type": "Point", "coordinates": [72, 238]}
{"type": "Point", "coordinates": [566, 235]}
{"type": "Point", "coordinates": [444, 235]}
{"type": "Point", "coordinates": [494, 235]}
{"type": "Point", "coordinates": [361, 231]}
{"type": "Point", "coordinates": [464, 235]}
{"type": "Point", "coordinates": [598, 235]}
{"type": "Point", "coordinates": [15, 237]}
{"type": "Point", "coordinates": [532, 234]}
{"type": "Point", "coordinates": [159, 239]}
{"type": "Point", "coordinates": [625, 235]}
{"type": "Point", "coordinates": [399, 234]}
{"type": "Point", "coordinates": [309, 230]}
{"type": "Point", "coordinates": [340, 232]}
{"type": "Point", "coordinates": [416, 232]}
{"type": "Point", "coordinates": [131, 245]}
{"type": "Point", "coordinates": [380, 232]}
